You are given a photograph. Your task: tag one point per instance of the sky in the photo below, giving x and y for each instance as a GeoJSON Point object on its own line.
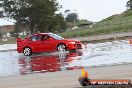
{"type": "Point", "coordinates": [6, 22]}
{"type": "Point", "coordinates": [92, 10]}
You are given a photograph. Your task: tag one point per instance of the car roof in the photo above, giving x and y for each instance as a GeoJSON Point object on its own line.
{"type": "Point", "coordinates": [46, 33]}
{"type": "Point", "coordinates": [42, 34]}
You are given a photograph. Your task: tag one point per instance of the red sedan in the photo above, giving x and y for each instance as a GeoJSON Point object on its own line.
{"type": "Point", "coordinates": [46, 42]}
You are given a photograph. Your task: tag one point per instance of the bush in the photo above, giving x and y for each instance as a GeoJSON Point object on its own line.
{"type": "Point", "coordinates": [14, 34]}
{"type": "Point", "coordinates": [127, 13]}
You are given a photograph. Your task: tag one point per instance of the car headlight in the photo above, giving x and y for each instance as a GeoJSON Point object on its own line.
{"type": "Point", "coordinates": [72, 43]}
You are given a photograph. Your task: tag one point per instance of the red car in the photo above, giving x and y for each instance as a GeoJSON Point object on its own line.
{"type": "Point", "coordinates": [46, 42]}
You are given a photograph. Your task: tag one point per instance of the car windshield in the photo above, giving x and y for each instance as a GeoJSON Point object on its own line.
{"type": "Point", "coordinates": [56, 36]}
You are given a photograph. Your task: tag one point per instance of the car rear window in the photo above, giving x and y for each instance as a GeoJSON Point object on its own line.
{"type": "Point", "coordinates": [35, 38]}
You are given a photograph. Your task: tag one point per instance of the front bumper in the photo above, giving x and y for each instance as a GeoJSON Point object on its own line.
{"type": "Point", "coordinates": [78, 46]}
{"type": "Point", "coordinates": [74, 46]}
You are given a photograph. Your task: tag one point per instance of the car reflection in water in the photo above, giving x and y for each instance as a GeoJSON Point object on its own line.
{"type": "Point", "coordinates": [48, 63]}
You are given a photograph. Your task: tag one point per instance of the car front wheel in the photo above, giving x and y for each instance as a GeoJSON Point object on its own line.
{"type": "Point", "coordinates": [61, 48]}
{"type": "Point", "coordinates": [27, 51]}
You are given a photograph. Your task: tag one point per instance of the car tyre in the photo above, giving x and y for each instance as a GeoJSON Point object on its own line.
{"type": "Point", "coordinates": [61, 48]}
{"type": "Point", "coordinates": [27, 51]}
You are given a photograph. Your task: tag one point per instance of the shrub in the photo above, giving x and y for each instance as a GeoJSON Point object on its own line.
{"type": "Point", "coordinates": [127, 13]}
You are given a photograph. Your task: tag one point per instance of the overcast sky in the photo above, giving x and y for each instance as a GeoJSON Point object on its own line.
{"type": "Point", "coordinates": [94, 10]}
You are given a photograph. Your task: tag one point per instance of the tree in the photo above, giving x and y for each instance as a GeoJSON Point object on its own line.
{"type": "Point", "coordinates": [1, 35]}
{"type": "Point", "coordinates": [129, 4]}
{"type": "Point", "coordinates": [66, 12]}
{"type": "Point", "coordinates": [36, 14]}
{"type": "Point", "coordinates": [72, 17]}
{"type": "Point", "coordinates": [52, 24]}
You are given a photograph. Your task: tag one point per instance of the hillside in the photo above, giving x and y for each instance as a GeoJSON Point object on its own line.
{"type": "Point", "coordinates": [113, 24]}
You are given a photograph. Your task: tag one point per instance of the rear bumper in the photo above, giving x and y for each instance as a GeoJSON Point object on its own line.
{"type": "Point", "coordinates": [19, 50]}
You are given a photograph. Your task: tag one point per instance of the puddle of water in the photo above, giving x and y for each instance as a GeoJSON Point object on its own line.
{"type": "Point", "coordinates": [109, 53]}
{"type": "Point", "coordinates": [9, 63]}
{"type": "Point", "coordinates": [12, 63]}
{"type": "Point", "coordinates": [47, 63]}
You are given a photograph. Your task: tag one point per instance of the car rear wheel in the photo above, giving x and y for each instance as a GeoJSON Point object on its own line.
{"type": "Point", "coordinates": [61, 48]}
{"type": "Point", "coordinates": [27, 51]}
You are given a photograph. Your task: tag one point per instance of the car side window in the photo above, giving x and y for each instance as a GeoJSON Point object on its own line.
{"type": "Point", "coordinates": [35, 38]}
{"type": "Point", "coordinates": [44, 37]}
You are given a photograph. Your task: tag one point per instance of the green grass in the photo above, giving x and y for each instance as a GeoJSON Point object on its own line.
{"type": "Point", "coordinates": [119, 23]}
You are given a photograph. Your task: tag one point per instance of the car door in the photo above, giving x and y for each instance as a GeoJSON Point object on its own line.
{"type": "Point", "coordinates": [47, 43]}
{"type": "Point", "coordinates": [35, 43]}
